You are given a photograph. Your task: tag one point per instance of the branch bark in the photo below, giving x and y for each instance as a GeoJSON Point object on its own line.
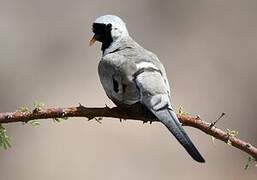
{"type": "Point", "coordinates": [129, 114]}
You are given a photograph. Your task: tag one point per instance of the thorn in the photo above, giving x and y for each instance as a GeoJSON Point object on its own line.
{"type": "Point", "coordinates": [197, 117]}
{"type": "Point", "coordinates": [81, 105]}
{"type": "Point", "coordinates": [215, 122]}
{"type": "Point", "coordinates": [90, 118]}
{"type": "Point", "coordinates": [211, 125]}
{"type": "Point", "coordinates": [98, 120]}
{"type": "Point", "coordinates": [122, 120]}
{"type": "Point", "coordinates": [8, 116]}
{"type": "Point", "coordinates": [222, 114]}
{"type": "Point", "coordinates": [107, 107]}
{"type": "Point", "coordinates": [63, 113]}
{"type": "Point", "coordinates": [146, 121]}
{"type": "Point", "coordinates": [248, 145]}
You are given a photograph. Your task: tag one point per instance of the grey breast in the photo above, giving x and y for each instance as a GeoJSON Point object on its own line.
{"type": "Point", "coordinates": [116, 74]}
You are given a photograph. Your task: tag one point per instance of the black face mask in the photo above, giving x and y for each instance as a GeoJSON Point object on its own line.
{"type": "Point", "coordinates": [103, 34]}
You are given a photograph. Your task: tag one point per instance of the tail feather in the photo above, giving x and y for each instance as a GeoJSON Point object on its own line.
{"type": "Point", "coordinates": [170, 120]}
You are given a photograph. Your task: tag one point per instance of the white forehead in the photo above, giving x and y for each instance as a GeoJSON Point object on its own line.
{"type": "Point", "coordinates": [116, 21]}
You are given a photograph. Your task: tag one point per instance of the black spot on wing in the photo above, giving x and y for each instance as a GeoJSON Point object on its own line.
{"type": "Point", "coordinates": [115, 85]}
{"type": "Point", "coordinates": [124, 86]}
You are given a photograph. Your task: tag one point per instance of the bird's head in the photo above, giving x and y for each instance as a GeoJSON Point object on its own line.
{"type": "Point", "coordinates": [108, 29]}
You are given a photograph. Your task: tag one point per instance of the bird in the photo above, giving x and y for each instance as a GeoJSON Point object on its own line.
{"type": "Point", "coordinates": [132, 75]}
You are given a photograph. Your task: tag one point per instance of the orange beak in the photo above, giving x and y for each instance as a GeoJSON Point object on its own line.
{"type": "Point", "coordinates": [92, 41]}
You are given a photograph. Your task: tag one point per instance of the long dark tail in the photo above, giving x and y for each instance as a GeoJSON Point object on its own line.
{"type": "Point", "coordinates": [170, 120]}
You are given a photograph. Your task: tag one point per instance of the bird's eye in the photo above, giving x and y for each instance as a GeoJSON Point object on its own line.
{"type": "Point", "coordinates": [109, 26]}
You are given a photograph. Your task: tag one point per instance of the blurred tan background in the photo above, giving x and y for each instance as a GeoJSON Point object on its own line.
{"type": "Point", "coordinates": [209, 49]}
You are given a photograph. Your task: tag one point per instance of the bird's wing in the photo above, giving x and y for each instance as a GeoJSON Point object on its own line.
{"type": "Point", "coordinates": [115, 73]}
{"type": "Point", "coordinates": [155, 96]}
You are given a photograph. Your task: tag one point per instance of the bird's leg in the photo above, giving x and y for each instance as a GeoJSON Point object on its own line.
{"type": "Point", "coordinates": [142, 109]}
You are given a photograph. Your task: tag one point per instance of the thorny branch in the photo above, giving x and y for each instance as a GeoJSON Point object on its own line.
{"type": "Point", "coordinates": [128, 113]}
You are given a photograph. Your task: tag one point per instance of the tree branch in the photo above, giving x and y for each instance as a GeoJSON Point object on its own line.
{"type": "Point", "coordinates": [128, 113]}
